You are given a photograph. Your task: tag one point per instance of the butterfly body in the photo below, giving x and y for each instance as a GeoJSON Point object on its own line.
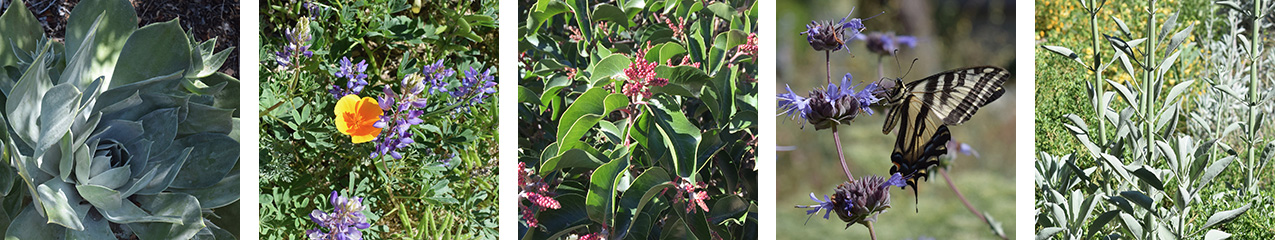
{"type": "Point", "coordinates": [923, 109]}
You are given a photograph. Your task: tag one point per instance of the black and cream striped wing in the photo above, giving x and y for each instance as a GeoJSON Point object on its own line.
{"type": "Point", "coordinates": [922, 138]}
{"type": "Point", "coordinates": [954, 96]}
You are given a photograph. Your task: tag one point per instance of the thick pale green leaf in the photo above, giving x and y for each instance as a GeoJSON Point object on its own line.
{"type": "Point", "coordinates": [18, 27]}
{"type": "Point", "coordinates": [600, 202]}
{"type": "Point", "coordinates": [211, 63]}
{"type": "Point", "coordinates": [30, 225]}
{"type": "Point", "coordinates": [78, 65]}
{"type": "Point", "coordinates": [212, 158]}
{"type": "Point", "coordinates": [585, 112]}
{"type": "Point", "coordinates": [609, 66]}
{"type": "Point", "coordinates": [57, 198]}
{"type": "Point", "coordinates": [1225, 216]}
{"type": "Point", "coordinates": [100, 196]}
{"type": "Point", "coordinates": [113, 178]}
{"type": "Point", "coordinates": [167, 166]}
{"type": "Point", "coordinates": [218, 195]}
{"type": "Point", "coordinates": [56, 115]}
{"type": "Point", "coordinates": [674, 140]}
{"type": "Point", "coordinates": [129, 212]}
{"type": "Point", "coordinates": [202, 118]}
{"type": "Point", "coordinates": [572, 158]}
{"type": "Point", "coordinates": [180, 205]}
{"type": "Point", "coordinates": [152, 51]}
{"type": "Point", "coordinates": [118, 21]}
{"type": "Point", "coordinates": [160, 127]}
{"type": "Point", "coordinates": [23, 105]}
{"type": "Point", "coordinates": [94, 228]}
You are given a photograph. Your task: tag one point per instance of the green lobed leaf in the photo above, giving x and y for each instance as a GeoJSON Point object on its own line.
{"type": "Point", "coordinates": [152, 51]}
{"type": "Point", "coordinates": [600, 201]}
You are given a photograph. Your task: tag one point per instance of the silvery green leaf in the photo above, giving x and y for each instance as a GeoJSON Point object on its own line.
{"type": "Point", "coordinates": [1178, 38]}
{"type": "Point", "coordinates": [1130, 97]}
{"type": "Point", "coordinates": [1213, 170]}
{"type": "Point", "coordinates": [1048, 233]}
{"type": "Point", "coordinates": [1132, 224]}
{"type": "Point", "coordinates": [66, 163]}
{"type": "Point", "coordinates": [1167, 64]}
{"type": "Point", "coordinates": [1059, 214]}
{"type": "Point", "coordinates": [1168, 25]}
{"type": "Point", "coordinates": [1224, 216]}
{"type": "Point", "coordinates": [1233, 6]}
{"type": "Point", "coordinates": [1066, 52]}
{"type": "Point", "coordinates": [211, 63]}
{"type": "Point", "coordinates": [57, 196]}
{"type": "Point", "coordinates": [152, 51]}
{"type": "Point", "coordinates": [1167, 118]}
{"type": "Point", "coordinates": [1124, 29]}
{"type": "Point", "coordinates": [1145, 174]}
{"type": "Point", "coordinates": [1178, 90]}
{"type": "Point", "coordinates": [1101, 221]}
{"type": "Point", "coordinates": [214, 155]}
{"type": "Point", "coordinates": [1140, 199]}
{"type": "Point", "coordinates": [1164, 233]}
{"type": "Point", "coordinates": [109, 38]}
{"type": "Point", "coordinates": [29, 224]}
{"type": "Point", "coordinates": [1215, 234]}
{"type": "Point", "coordinates": [180, 205]}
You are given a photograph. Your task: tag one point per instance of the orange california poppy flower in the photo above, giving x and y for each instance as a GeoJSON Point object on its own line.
{"type": "Point", "coordinates": [355, 117]}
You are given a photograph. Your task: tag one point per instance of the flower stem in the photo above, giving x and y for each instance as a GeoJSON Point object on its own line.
{"type": "Point", "coordinates": [836, 137]}
{"type": "Point", "coordinates": [871, 232]}
{"type": "Point", "coordinates": [969, 206]}
{"type": "Point", "coordinates": [827, 62]}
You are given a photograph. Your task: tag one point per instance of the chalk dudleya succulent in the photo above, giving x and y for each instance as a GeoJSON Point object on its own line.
{"type": "Point", "coordinates": [121, 132]}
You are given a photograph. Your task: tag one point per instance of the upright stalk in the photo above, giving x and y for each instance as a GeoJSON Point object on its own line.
{"type": "Point", "coordinates": [1252, 91]}
{"type": "Point", "coordinates": [827, 63]}
{"type": "Point", "coordinates": [837, 138]}
{"type": "Point", "coordinates": [1148, 79]}
{"type": "Point", "coordinates": [1097, 73]}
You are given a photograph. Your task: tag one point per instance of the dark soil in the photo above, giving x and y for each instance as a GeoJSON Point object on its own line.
{"type": "Point", "coordinates": [207, 18]}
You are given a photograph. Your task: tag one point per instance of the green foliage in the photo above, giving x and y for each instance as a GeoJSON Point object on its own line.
{"type": "Point", "coordinates": [617, 160]}
{"type": "Point", "coordinates": [102, 148]}
{"type": "Point", "coordinates": [1152, 179]}
{"type": "Point", "coordinates": [445, 185]}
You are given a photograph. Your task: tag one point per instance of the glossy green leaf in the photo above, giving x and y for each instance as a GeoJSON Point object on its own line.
{"type": "Point", "coordinates": [722, 10]}
{"type": "Point", "coordinates": [643, 191]}
{"type": "Point", "coordinates": [545, 9]}
{"type": "Point", "coordinates": [611, 13]}
{"type": "Point", "coordinates": [585, 112]}
{"type": "Point", "coordinates": [152, 51]}
{"type": "Point", "coordinates": [600, 202]}
{"type": "Point", "coordinates": [674, 139]}
{"type": "Point", "coordinates": [560, 222]}
{"type": "Point", "coordinates": [572, 158]}
{"type": "Point", "coordinates": [609, 66]}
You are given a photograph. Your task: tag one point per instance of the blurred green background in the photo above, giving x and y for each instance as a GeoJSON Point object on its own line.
{"type": "Point", "coordinates": [951, 34]}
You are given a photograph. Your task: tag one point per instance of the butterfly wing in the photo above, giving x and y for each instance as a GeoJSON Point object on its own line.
{"type": "Point", "coordinates": [954, 96]}
{"type": "Point", "coordinates": [922, 138]}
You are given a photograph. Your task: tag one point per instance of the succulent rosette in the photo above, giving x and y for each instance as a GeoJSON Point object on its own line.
{"type": "Point", "coordinates": [120, 132]}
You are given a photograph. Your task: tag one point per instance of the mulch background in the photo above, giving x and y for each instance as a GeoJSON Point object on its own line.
{"type": "Point", "coordinates": [205, 18]}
